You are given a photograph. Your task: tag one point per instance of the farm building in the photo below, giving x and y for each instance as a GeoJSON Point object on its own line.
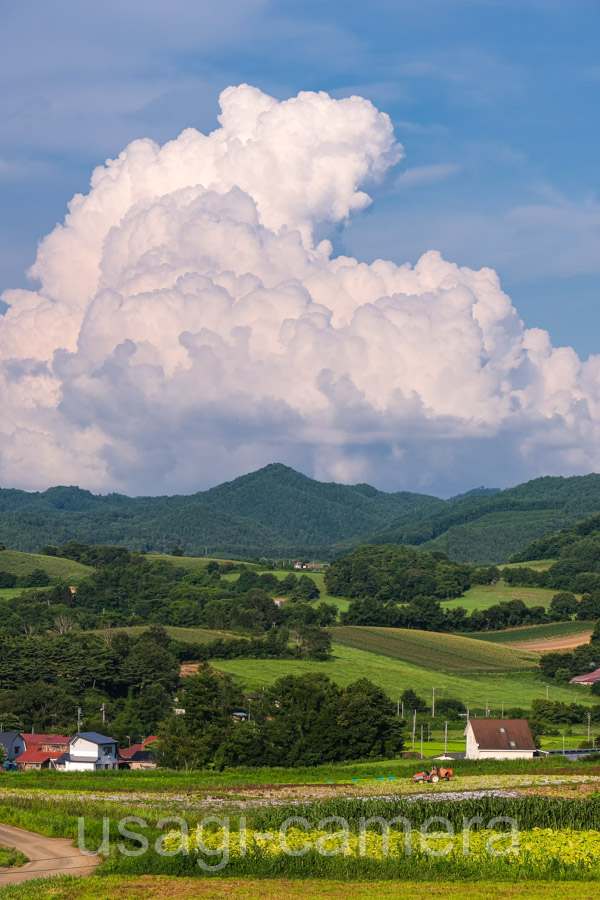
{"type": "Point", "coordinates": [590, 678]}
{"type": "Point", "coordinates": [499, 739]}
{"type": "Point", "coordinates": [36, 758]}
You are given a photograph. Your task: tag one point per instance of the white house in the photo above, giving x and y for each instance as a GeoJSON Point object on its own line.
{"type": "Point", "coordinates": [89, 751]}
{"type": "Point", "coordinates": [499, 739]}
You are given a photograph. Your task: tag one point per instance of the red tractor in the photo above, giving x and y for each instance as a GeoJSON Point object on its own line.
{"type": "Point", "coordinates": [433, 776]}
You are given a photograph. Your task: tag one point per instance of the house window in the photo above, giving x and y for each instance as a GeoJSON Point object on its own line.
{"type": "Point", "coordinates": [107, 751]}
{"type": "Point", "coordinates": [512, 743]}
{"type": "Point", "coordinates": [502, 730]}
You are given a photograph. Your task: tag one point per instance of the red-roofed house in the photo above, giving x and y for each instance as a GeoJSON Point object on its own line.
{"type": "Point", "coordinates": [590, 678]}
{"type": "Point", "coordinates": [36, 758]}
{"type": "Point", "coordinates": [49, 742]}
{"type": "Point", "coordinates": [139, 756]}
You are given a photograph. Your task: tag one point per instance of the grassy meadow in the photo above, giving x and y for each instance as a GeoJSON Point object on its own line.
{"type": "Point", "coordinates": [56, 568]}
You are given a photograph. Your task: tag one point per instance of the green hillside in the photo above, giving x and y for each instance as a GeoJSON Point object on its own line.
{"type": "Point", "coordinates": [396, 676]}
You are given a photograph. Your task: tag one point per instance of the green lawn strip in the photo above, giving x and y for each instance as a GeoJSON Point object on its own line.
{"type": "Point", "coordinates": [533, 632]}
{"type": "Point", "coordinates": [435, 650]}
{"type": "Point", "coordinates": [394, 676]}
{"type": "Point", "coordinates": [169, 888]}
{"type": "Point", "coordinates": [56, 568]}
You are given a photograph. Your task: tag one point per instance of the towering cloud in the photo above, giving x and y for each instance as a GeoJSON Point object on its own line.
{"type": "Point", "coordinates": [188, 328]}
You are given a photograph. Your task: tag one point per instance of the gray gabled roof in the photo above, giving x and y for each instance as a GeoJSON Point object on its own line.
{"type": "Point", "coordinates": [94, 738]}
{"type": "Point", "coordinates": [7, 738]}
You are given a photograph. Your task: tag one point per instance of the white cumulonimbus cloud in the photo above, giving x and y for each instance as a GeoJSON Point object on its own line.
{"type": "Point", "coordinates": [189, 328]}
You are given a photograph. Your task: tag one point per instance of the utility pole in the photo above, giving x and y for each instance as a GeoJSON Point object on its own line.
{"type": "Point", "coordinates": [502, 714]}
{"type": "Point", "coordinates": [414, 727]}
{"type": "Point", "coordinates": [433, 703]}
{"type": "Point", "coordinates": [78, 719]}
{"type": "Point", "coordinates": [547, 686]}
{"type": "Point", "coordinates": [563, 745]}
{"type": "Point", "coordinates": [445, 737]}
{"type": "Point", "coordinates": [487, 709]}
{"type": "Point", "coordinates": [403, 709]}
{"type": "Point", "coordinates": [589, 725]}
{"type": "Point", "coordinates": [398, 709]}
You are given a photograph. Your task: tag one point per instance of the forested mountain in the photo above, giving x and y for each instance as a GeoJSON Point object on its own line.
{"type": "Point", "coordinates": [488, 529]}
{"type": "Point", "coordinates": [275, 511]}
{"type": "Point", "coordinates": [278, 512]}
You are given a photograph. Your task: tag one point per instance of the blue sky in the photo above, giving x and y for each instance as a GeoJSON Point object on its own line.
{"type": "Point", "coordinates": [496, 104]}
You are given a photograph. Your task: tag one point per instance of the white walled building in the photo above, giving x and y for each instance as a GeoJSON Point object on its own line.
{"type": "Point", "coordinates": [89, 751]}
{"type": "Point", "coordinates": [499, 739]}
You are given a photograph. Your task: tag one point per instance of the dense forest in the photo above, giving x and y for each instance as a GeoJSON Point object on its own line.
{"type": "Point", "coordinates": [279, 513]}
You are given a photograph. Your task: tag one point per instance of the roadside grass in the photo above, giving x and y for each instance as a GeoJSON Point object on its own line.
{"type": "Point", "coordinates": [434, 650]}
{"type": "Point", "coordinates": [394, 676]}
{"type": "Point", "coordinates": [532, 632]}
{"type": "Point", "coordinates": [56, 568]}
{"type": "Point", "coordinates": [10, 858]}
{"type": "Point", "coordinates": [161, 887]}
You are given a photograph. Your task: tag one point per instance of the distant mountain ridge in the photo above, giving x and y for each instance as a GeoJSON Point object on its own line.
{"type": "Point", "coordinates": [278, 512]}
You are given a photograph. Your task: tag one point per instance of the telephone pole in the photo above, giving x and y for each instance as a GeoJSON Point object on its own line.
{"type": "Point", "coordinates": [78, 719]}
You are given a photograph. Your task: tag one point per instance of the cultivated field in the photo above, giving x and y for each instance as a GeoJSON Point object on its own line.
{"type": "Point", "coordinates": [549, 632]}
{"type": "Point", "coordinates": [433, 650]}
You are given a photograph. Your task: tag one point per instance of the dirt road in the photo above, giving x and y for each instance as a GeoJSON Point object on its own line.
{"type": "Point", "coordinates": [48, 856]}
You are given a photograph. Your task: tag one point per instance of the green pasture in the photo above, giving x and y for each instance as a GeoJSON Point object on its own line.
{"type": "Point", "coordinates": [482, 596]}
{"type": "Point", "coordinates": [56, 568]}
{"type": "Point", "coordinates": [394, 676]}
